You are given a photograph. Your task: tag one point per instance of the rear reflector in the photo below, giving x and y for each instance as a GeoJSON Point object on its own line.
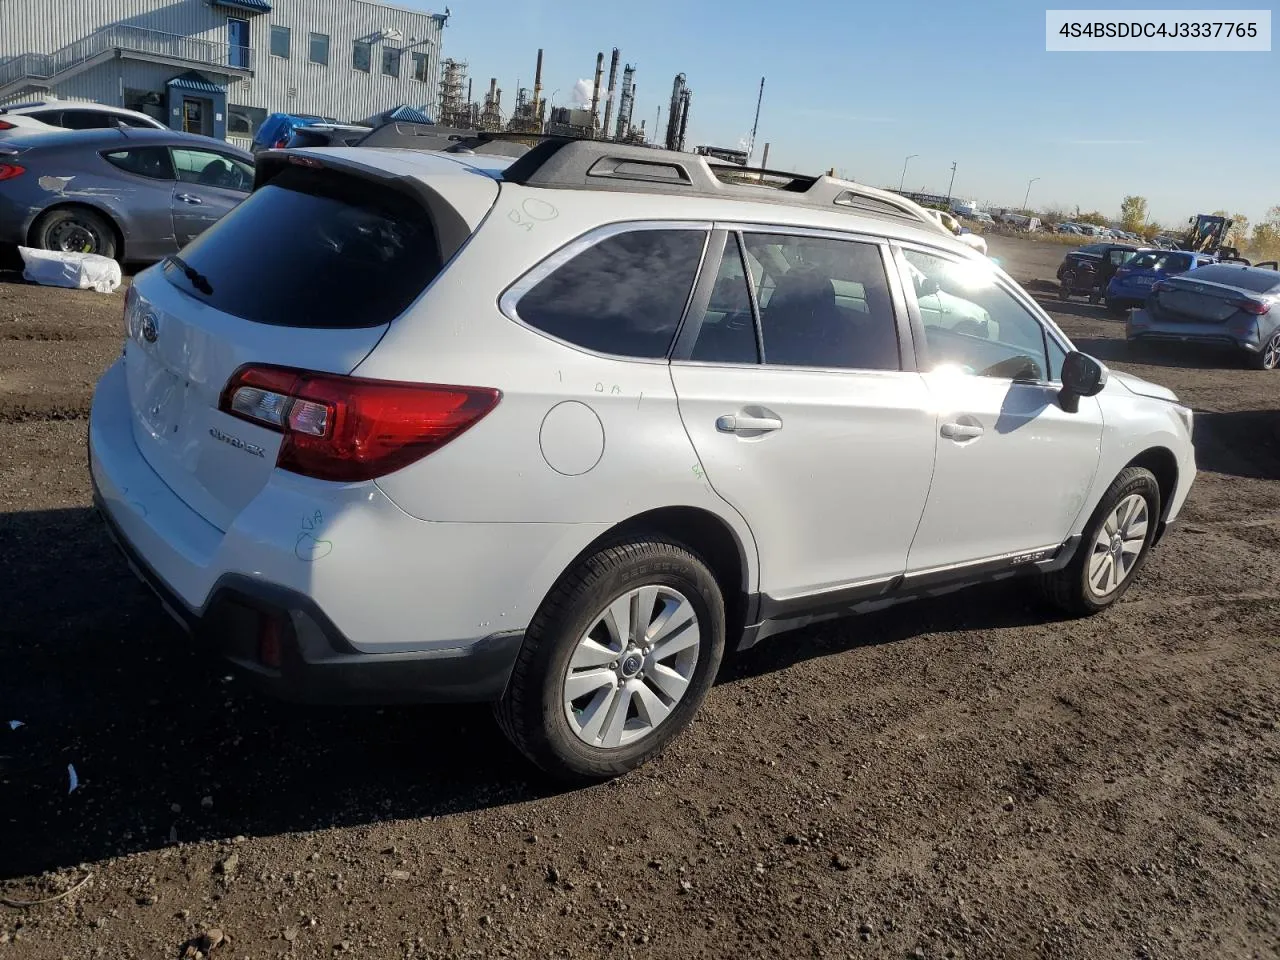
{"type": "Point", "coordinates": [349, 428]}
{"type": "Point", "coordinates": [10, 170]}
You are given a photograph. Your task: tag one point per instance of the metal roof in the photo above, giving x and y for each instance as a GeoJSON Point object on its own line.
{"type": "Point", "coordinates": [252, 6]}
{"type": "Point", "coordinates": [193, 81]}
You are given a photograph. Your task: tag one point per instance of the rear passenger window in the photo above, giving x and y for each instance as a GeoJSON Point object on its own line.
{"type": "Point", "coordinates": [150, 162]}
{"type": "Point", "coordinates": [87, 119]}
{"type": "Point", "coordinates": [728, 330]}
{"type": "Point", "coordinates": [823, 303]}
{"type": "Point", "coordinates": [623, 296]}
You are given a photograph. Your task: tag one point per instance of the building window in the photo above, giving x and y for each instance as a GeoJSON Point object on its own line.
{"type": "Point", "coordinates": [280, 37]}
{"type": "Point", "coordinates": [244, 121]}
{"type": "Point", "coordinates": [320, 49]}
{"type": "Point", "coordinates": [420, 67]}
{"type": "Point", "coordinates": [361, 55]}
{"type": "Point", "coordinates": [238, 41]}
{"type": "Point", "coordinates": [390, 62]}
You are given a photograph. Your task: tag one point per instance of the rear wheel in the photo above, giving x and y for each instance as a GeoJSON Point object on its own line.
{"type": "Point", "coordinates": [1113, 548]}
{"type": "Point", "coordinates": [616, 661]}
{"type": "Point", "coordinates": [1064, 288]}
{"type": "Point", "coordinates": [75, 230]}
{"type": "Point", "coordinates": [1268, 358]}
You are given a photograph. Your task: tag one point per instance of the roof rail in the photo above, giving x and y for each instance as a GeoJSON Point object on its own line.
{"type": "Point", "coordinates": [582, 164]}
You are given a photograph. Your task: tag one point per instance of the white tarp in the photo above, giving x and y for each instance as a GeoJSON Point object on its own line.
{"type": "Point", "coordinates": [79, 271]}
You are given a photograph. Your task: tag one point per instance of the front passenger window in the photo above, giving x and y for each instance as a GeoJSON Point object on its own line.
{"type": "Point", "coordinates": [972, 323]}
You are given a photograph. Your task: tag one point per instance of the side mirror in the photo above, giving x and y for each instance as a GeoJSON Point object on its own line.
{"type": "Point", "coordinates": [1082, 376]}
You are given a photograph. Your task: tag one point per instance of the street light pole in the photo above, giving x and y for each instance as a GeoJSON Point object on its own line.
{"type": "Point", "coordinates": [903, 181]}
{"type": "Point", "coordinates": [1028, 194]}
{"type": "Point", "coordinates": [952, 183]}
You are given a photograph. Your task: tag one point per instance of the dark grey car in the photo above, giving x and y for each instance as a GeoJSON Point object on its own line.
{"type": "Point", "coordinates": [136, 195]}
{"type": "Point", "coordinates": [1221, 304]}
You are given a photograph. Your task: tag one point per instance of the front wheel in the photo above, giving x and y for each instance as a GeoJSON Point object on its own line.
{"type": "Point", "coordinates": [616, 661]}
{"type": "Point", "coordinates": [1113, 548]}
{"type": "Point", "coordinates": [1268, 358]}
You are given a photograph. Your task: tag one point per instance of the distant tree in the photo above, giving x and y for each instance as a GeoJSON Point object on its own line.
{"type": "Point", "coordinates": [1133, 213]}
{"type": "Point", "coordinates": [1094, 217]}
{"type": "Point", "coordinates": [1265, 241]}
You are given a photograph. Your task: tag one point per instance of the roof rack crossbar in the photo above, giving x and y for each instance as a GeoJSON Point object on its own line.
{"type": "Point", "coordinates": [569, 163]}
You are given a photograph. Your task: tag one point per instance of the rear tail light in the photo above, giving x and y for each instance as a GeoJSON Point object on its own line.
{"type": "Point", "coordinates": [10, 170]}
{"type": "Point", "coordinates": [1255, 307]}
{"type": "Point", "coordinates": [6, 125]}
{"type": "Point", "coordinates": [281, 143]}
{"type": "Point", "coordinates": [349, 428]}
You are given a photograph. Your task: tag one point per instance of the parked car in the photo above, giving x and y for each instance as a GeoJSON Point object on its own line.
{"type": "Point", "coordinates": [548, 435]}
{"type": "Point", "coordinates": [327, 135]}
{"type": "Point", "coordinates": [136, 195]}
{"type": "Point", "coordinates": [1222, 304]}
{"type": "Point", "coordinates": [981, 216]}
{"type": "Point", "coordinates": [1087, 270]}
{"type": "Point", "coordinates": [1132, 280]}
{"type": "Point", "coordinates": [954, 227]}
{"type": "Point", "coordinates": [275, 131]}
{"type": "Point", "coordinates": [46, 116]}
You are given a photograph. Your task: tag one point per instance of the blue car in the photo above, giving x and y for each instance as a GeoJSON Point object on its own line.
{"type": "Point", "coordinates": [1132, 281]}
{"type": "Point", "coordinates": [278, 128]}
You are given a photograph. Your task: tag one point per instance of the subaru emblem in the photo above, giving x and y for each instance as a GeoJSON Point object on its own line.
{"type": "Point", "coordinates": [150, 330]}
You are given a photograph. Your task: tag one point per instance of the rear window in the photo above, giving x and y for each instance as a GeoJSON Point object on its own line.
{"type": "Point", "coordinates": [1255, 281]}
{"type": "Point", "coordinates": [314, 249]}
{"type": "Point", "coordinates": [623, 296]}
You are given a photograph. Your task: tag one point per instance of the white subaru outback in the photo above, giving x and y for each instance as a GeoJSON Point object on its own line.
{"type": "Point", "coordinates": [552, 433]}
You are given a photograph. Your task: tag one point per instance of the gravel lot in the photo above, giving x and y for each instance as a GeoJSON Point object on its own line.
{"type": "Point", "coordinates": [964, 777]}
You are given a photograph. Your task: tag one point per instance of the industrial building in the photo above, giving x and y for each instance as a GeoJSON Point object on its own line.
{"type": "Point", "coordinates": [218, 67]}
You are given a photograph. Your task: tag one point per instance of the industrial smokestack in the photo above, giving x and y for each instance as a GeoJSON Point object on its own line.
{"type": "Point", "coordinates": [673, 112]}
{"type": "Point", "coordinates": [537, 86]}
{"type": "Point", "coordinates": [493, 86]}
{"type": "Point", "coordinates": [685, 96]}
{"type": "Point", "coordinates": [595, 93]}
{"type": "Point", "coordinates": [613, 82]}
{"type": "Point", "coordinates": [626, 103]}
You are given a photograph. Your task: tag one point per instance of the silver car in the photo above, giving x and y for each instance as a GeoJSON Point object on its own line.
{"type": "Point", "coordinates": [1220, 304]}
{"type": "Point", "coordinates": [133, 194]}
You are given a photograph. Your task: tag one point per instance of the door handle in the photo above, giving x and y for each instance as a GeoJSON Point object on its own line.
{"type": "Point", "coordinates": [961, 431]}
{"type": "Point", "coordinates": [737, 424]}
{"type": "Point", "coordinates": [188, 198]}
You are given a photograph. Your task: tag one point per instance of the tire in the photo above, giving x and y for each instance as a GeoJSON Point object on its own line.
{"type": "Point", "coordinates": [567, 739]}
{"type": "Point", "coordinates": [1095, 298]}
{"type": "Point", "coordinates": [77, 230]}
{"type": "Point", "coordinates": [1071, 588]}
{"type": "Point", "coordinates": [1064, 288]}
{"type": "Point", "coordinates": [1268, 358]}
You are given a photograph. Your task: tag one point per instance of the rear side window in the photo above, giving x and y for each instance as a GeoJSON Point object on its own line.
{"type": "Point", "coordinates": [623, 296]}
{"type": "Point", "coordinates": [314, 249]}
{"type": "Point", "coordinates": [823, 303]}
{"type": "Point", "coordinates": [87, 119]}
{"type": "Point", "coordinates": [151, 162]}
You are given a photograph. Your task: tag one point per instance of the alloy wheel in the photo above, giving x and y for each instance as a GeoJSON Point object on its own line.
{"type": "Point", "coordinates": [1118, 545]}
{"type": "Point", "coordinates": [632, 667]}
{"type": "Point", "coordinates": [1271, 352]}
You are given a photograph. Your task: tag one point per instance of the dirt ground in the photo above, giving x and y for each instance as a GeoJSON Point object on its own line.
{"type": "Point", "coordinates": [967, 777]}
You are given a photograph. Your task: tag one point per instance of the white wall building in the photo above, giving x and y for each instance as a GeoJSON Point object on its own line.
{"type": "Point", "coordinates": [218, 67]}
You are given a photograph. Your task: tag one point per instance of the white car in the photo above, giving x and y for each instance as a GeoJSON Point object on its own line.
{"type": "Point", "coordinates": [553, 433]}
{"type": "Point", "coordinates": [41, 116]}
{"type": "Point", "coordinates": [953, 226]}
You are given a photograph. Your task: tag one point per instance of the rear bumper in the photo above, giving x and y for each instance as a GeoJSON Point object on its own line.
{"type": "Point", "coordinates": [393, 609]}
{"type": "Point", "coordinates": [1143, 326]}
{"type": "Point", "coordinates": [286, 646]}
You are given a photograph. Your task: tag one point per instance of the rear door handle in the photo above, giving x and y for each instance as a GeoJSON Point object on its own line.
{"type": "Point", "coordinates": [961, 431]}
{"type": "Point", "coordinates": [737, 424]}
{"type": "Point", "coordinates": [188, 198]}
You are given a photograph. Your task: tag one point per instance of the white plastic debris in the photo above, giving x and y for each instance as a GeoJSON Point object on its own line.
{"type": "Point", "coordinates": [78, 271]}
{"type": "Point", "coordinates": [15, 724]}
{"type": "Point", "coordinates": [71, 775]}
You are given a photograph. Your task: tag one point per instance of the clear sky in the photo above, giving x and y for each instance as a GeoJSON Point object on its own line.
{"type": "Point", "coordinates": [859, 86]}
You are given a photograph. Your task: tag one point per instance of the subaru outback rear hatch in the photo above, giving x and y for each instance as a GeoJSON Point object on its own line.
{"type": "Point", "coordinates": [307, 273]}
